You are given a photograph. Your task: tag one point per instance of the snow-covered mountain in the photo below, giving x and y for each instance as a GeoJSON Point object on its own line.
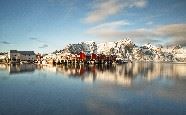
{"type": "Point", "coordinates": [126, 48]}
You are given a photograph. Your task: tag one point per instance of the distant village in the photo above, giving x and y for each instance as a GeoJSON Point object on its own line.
{"type": "Point", "coordinates": [90, 52]}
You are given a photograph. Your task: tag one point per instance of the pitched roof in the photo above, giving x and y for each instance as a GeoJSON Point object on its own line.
{"type": "Point", "coordinates": [23, 52]}
{"type": "Point", "coordinates": [13, 51]}
{"type": "Point", "coordinates": [27, 52]}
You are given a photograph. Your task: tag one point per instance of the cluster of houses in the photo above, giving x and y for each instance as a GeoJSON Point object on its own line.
{"type": "Point", "coordinates": [15, 56]}
{"type": "Point", "coordinates": [82, 57]}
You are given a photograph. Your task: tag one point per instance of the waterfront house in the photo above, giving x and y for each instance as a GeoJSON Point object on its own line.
{"type": "Point", "coordinates": [82, 56]}
{"type": "Point", "coordinates": [20, 56]}
{"type": "Point", "coordinates": [49, 59]}
{"type": "Point", "coordinates": [39, 58]}
{"type": "Point", "coordinates": [3, 57]}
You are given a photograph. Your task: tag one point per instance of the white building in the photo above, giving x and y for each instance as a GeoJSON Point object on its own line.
{"type": "Point", "coordinates": [49, 56]}
{"type": "Point", "coordinates": [17, 56]}
{"type": "Point", "coordinates": [3, 57]}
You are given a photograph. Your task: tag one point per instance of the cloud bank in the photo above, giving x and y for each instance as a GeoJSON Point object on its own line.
{"type": "Point", "coordinates": [172, 33]}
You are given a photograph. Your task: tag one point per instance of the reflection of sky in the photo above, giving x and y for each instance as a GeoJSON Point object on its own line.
{"type": "Point", "coordinates": [139, 99]}
{"type": "Point", "coordinates": [48, 91]}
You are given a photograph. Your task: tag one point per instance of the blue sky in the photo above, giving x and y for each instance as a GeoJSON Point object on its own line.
{"type": "Point", "coordinates": [49, 25]}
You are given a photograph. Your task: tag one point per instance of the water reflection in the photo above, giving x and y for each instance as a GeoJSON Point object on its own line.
{"type": "Point", "coordinates": [119, 74]}
{"type": "Point", "coordinates": [18, 68]}
{"type": "Point", "coordinates": [149, 88]}
{"type": "Point", "coordinates": [124, 74]}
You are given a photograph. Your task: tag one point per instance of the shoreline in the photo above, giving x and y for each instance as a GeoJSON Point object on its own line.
{"type": "Point", "coordinates": [98, 63]}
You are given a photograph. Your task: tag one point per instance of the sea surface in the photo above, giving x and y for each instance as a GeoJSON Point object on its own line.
{"type": "Point", "coordinates": [128, 89]}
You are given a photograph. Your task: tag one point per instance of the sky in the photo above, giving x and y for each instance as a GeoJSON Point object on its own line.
{"type": "Point", "coordinates": [48, 25]}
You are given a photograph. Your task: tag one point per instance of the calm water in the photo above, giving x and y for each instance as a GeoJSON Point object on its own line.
{"type": "Point", "coordinates": [138, 88]}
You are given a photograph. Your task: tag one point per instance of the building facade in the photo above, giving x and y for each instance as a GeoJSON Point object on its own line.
{"type": "Point", "coordinates": [18, 56]}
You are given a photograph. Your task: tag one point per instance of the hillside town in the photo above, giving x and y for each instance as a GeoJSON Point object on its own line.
{"type": "Point", "coordinates": [90, 52]}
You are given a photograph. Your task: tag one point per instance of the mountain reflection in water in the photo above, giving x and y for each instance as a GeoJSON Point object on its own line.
{"type": "Point", "coordinates": [119, 74]}
{"type": "Point", "coordinates": [124, 74]}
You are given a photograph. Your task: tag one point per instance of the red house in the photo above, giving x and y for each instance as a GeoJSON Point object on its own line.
{"type": "Point", "coordinates": [82, 56]}
{"type": "Point", "coordinates": [93, 56]}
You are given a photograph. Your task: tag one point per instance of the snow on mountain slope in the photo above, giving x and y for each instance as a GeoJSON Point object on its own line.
{"type": "Point", "coordinates": [126, 48]}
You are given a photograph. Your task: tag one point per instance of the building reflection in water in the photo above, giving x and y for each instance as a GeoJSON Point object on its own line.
{"type": "Point", "coordinates": [124, 74]}
{"type": "Point", "coordinates": [4, 67]}
{"type": "Point", "coordinates": [21, 68]}
{"type": "Point", "coordinates": [118, 74]}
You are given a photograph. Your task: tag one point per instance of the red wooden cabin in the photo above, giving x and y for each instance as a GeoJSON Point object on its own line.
{"type": "Point", "coordinates": [82, 56]}
{"type": "Point", "coordinates": [93, 56]}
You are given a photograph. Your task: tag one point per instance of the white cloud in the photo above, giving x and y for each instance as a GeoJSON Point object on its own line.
{"type": "Point", "coordinates": [172, 33]}
{"type": "Point", "coordinates": [105, 8]}
{"type": "Point", "coordinates": [149, 23]}
{"type": "Point", "coordinates": [173, 30]}
{"type": "Point", "coordinates": [139, 3]}
{"type": "Point", "coordinates": [108, 29]}
{"type": "Point", "coordinates": [114, 24]}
